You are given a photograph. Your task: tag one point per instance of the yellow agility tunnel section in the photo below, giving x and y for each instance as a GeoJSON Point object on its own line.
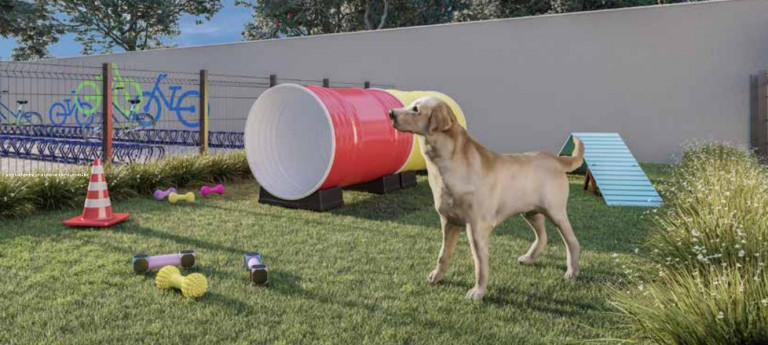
{"type": "Point", "coordinates": [416, 159]}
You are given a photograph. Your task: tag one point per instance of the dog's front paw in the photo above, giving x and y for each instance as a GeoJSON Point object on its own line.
{"type": "Point", "coordinates": [571, 274]}
{"type": "Point", "coordinates": [476, 294]}
{"type": "Point", "coordinates": [525, 260]}
{"type": "Point", "coordinates": [435, 276]}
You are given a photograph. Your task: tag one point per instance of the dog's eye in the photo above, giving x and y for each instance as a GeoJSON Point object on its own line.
{"type": "Point", "coordinates": [416, 110]}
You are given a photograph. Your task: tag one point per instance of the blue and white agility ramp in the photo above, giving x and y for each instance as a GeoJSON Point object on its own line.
{"type": "Point", "coordinates": [613, 169]}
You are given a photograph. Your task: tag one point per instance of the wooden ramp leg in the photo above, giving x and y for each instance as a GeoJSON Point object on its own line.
{"type": "Point", "coordinates": [590, 185]}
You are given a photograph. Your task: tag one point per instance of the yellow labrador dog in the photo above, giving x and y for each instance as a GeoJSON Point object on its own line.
{"type": "Point", "coordinates": [476, 187]}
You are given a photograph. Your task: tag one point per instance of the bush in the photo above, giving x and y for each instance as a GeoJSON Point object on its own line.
{"type": "Point", "coordinates": [716, 210]}
{"type": "Point", "coordinates": [718, 307]}
{"type": "Point", "coordinates": [134, 179]}
{"type": "Point", "coordinates": [57, 192]}
{"type": "Point", "coordinates": [182, 170]}
{"type": "Point", "coordinates": [15, 201]}
{"type": "Point", "coordinates": [224, 168]}
{"type": "Point", "coordinates": [708, 242]}
{"type": "Point", "coordinates": [20, 196]}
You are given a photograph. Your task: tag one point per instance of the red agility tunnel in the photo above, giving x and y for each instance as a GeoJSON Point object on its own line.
{"type": "Point", "coordinates": [300, 139]}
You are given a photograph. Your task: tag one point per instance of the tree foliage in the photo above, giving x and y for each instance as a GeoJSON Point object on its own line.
{"type": "Point", "coordinates": [492, 9]}
{"type": "Point", "coordinates": [31, 25]}
{"type": "Point", "coordinates": [99, 25]}
{"type": "Point", "coordinates": [285, 18]}
{"type": "Point", "coordinates": [102, 25]}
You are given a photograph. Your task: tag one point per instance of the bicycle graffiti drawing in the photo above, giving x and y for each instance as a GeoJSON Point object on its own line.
{"type": "Point", "coordinates": [125, 90]}
{"type": "Point", "coordinates": [20, 116]}
{"type": "Point", "coordinates": [128, 122]}
{"type": "Point", "coordinates": [87, 101]}
{"type": "Point", "coordinates": [183, 106]}
{"type": "Point", "coordinates": [81, 110]}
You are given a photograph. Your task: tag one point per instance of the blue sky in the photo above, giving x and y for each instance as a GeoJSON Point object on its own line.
{"type": "Point", "coordinates": [225, 26]}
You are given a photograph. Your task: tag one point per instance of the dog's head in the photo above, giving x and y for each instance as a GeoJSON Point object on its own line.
{"type": "Point", "coordinates": [425, 116]}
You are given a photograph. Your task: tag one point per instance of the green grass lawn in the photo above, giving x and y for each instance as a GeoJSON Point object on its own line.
{"type": "Point", "coordinates": [355, 275]}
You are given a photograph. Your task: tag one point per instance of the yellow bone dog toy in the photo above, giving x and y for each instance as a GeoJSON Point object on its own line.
{"type": "Point", "coordinates": [174, 198]}
{"type": "Point", "coordinates": [191, 286]}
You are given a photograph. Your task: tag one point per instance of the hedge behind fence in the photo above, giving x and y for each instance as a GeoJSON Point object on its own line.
{"type": "Point", "coordinates": [20, 196]}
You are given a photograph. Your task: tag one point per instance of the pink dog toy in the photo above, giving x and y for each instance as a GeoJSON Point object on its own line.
{"type": "Point", "coordinates": [205, 190]}
{"type": "Point", "coordinates": [161, 194]}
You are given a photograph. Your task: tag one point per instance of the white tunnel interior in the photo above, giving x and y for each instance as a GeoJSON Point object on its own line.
{"type": "Point", "coordinates": [289, 141]}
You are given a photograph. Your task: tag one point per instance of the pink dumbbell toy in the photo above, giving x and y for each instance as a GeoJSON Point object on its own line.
{"type": "Point", "coordinates": [205, 190]}
{"type": "Point", "coordinates": [143, 263]}
{"type": "Point", "coordinates": [161, 194]}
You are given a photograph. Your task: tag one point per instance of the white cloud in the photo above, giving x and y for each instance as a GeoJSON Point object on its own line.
{"type": "Point", "coordinates": [202, 29]}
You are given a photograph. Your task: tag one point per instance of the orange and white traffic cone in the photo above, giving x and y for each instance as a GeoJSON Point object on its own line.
{"type": "Point", "coordinates": [98, 209]}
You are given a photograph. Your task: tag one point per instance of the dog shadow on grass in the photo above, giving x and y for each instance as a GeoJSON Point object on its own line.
{"type": "Point", "coordinates": [541, 301]}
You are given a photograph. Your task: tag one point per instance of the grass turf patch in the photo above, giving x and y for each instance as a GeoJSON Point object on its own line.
{"type": "Point", "coordinates": [352, 275]}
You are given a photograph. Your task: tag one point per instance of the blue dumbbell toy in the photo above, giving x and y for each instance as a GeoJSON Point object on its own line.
{"type": "Point", "coordinates": [257, 271]}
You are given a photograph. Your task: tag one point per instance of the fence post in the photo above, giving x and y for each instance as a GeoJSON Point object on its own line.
{"type": "Point", "coordinates": [762, 113]}
{"type": "Point", "coordinates": [753, 114]}
{"type": "Point", "coordinates": [326, 82]}
{"type": "Point", "coordinates": [367, 85]}
{"type": "Point", "coordinates": [759, 112]}
{"type": "Point", "coordinates": [106, 111]}
{"type": "Point", "coordinates": [272, 80]}
{"type": "Point", "coordinates": [203, 111]}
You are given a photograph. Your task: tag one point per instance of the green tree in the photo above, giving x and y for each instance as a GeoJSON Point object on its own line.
{"type": "Point", "coordinates": [287, 18]}
{"type": "Point", "coordinates": [492, 9]}
{"type": "Point", "coordinates": [102, 25]}
{"type": "Point", "coordinates": [31, 25]}
{"type": "Point", "coordinates": [99, 25]}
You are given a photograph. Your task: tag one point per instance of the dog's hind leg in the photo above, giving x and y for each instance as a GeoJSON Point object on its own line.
{"type": "Point", "coordinates": [572, 244]}
{"type": "Point", "coordinates": [536, 221]}
{"type": "Point", "coordinates": [450, 237]}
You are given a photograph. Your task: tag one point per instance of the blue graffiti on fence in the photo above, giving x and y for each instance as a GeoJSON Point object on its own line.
{"type": "Point", "coordinates": [60, 112]}
{"type": "Point", "coordinates": [184, 106]}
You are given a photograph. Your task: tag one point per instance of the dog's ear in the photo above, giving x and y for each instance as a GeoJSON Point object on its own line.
{"type": "Point", "coordinates": [442, 118]}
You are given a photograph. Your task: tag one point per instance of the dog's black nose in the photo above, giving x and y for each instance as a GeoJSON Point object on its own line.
{"type": "Point", "coordinates": [392, 114]}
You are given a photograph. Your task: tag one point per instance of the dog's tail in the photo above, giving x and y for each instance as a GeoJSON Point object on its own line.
{"type": "Point", "coordinates": [574, 161]}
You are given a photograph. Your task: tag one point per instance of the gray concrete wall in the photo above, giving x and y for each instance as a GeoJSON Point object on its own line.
{"type": "Point", "coordinates": [660, 76]}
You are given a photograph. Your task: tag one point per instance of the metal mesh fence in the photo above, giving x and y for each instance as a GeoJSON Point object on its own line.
{"type": "Point", "coordinates": [231, 98]}
{"type": "Point", "coordinates": [159, 108]}
{"type": "Point", "coordinates": [52, 115]}
{"type": "Point", "coordinates": [41, 108]}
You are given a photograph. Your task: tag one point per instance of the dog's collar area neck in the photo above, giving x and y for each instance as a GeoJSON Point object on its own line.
{"type": "Point", "coordinates": [443, 151]}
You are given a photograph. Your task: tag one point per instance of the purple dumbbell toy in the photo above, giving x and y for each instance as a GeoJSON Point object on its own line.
{"type": "Point", "coordinates": [161, 194]}
{"type": "Point", "coordinates": [143, 263]}
{"type": "Point", "coordinates": [205, 190]}
{"type": "Point", "coordinates": [256, 269]}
